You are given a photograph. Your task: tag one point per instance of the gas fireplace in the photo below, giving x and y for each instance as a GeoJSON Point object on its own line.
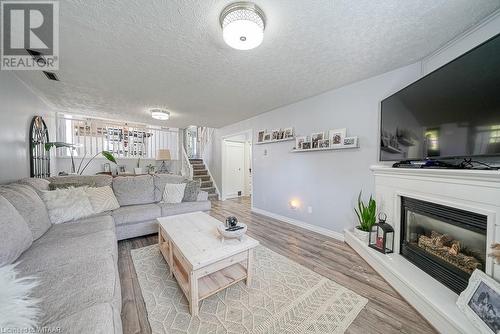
{"type": "Point", "coordinates": [447, 243]}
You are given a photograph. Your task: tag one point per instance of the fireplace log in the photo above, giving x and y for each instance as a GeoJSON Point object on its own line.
{"type": "Point", "coordinates": [435, 245]}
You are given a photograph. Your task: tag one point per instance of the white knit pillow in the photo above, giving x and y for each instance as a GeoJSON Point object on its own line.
{"type": "Point", "coordinates": [18, 310]}
{"type": "Point", "coordinates": [69, 204]}
{"type": "Point", "coordinates": [102, 199]}
{"type": "Point", "coordinates": [174, 192]}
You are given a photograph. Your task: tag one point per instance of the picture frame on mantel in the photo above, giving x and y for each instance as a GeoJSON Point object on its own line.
{"type": "Point", "coordinates": [480, 302]}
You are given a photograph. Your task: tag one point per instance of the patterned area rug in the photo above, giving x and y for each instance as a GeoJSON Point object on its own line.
{"type": "Point", "coordinates": [284, 297]}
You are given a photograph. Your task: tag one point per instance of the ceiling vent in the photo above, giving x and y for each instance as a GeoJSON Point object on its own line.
{"type": "Point", "coordinates": [39, 58]}
{"type": "Point", "coordinates": [51, 76]}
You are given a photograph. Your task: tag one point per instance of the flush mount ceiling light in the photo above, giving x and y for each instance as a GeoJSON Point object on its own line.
{"type": "Point", "coordinates": [242, 25]}
{"type": "Point", "coordinates": [160, 114]}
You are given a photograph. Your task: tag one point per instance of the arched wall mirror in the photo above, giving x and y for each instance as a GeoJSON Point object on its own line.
{"type": "Point", "coordinates": [39, 156]}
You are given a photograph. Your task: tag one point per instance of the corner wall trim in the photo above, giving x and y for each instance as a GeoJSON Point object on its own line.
{"type": "Point", "coordinates": [295, 222]}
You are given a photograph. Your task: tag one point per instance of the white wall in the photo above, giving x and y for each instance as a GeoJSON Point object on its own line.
{"type": "Point", "coordinates": [18, 105]}
{"type": "Point", "coordinates": [327, 181]}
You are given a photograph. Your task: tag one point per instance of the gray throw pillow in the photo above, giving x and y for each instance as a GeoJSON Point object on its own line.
{"type": "Point", "coordinates": [192, 190]}
{"type": "Point", "coordinates": [54, 186]}
{"type": "Point", "coordinates": [16, 236]}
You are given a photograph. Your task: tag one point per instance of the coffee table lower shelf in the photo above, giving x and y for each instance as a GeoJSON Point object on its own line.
{"type": "Point", "coordinates": [219, 280]}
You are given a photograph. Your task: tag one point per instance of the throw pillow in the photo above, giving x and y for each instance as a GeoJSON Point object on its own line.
{"type": "Point", "coordinates": [18, 310]}
{"type": "Point", "coordinates": [29, 205]}
{"type": "Point", "coordinates": [65, 205]}
{"type": "Point", "coordinates": [102, 199]}
{"type": "Point", "coordinates": [16, 235]}
{"type": "Point", "coordinates": [174, 192]}
{"type": "Point", "coordinates": [191, 191]}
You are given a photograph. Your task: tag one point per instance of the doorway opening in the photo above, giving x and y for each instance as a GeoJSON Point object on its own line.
{"type": "Point", "coordinates": [237, 165]}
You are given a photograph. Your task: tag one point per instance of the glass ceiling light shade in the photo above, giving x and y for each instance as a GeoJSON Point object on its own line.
{"type": "Point", "coordinates": [242, 25]}
{"type": "Point", "coordinates": [160, 114]}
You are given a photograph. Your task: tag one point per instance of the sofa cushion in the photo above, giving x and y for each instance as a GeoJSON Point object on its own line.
{"type": "Point", "coordinates": [101, 318]}
{"type": "Point", "coordinates": [67, 289]}
{"type": "Point", "coordinates": [52, 251]}
{"type": "Point", "coordinates": [67, 204]}
{"type": "Point", "coordinates": [102, 199]}
{"type": "Point", "coordinates": [29, 205]}
{"type": "Point", "coordinates": [131, 190]}
{"type": "Point", "coordinates": [192, 190]}
{"type": "Point", "coordinates": [160, 180]}
{"type": "Point", "coordinates": [78, 229]}
{"type": "Point", "coordinates": [136, 213]}
{"type": "Point", "coordinates": [86, 180]}
{"type": "Point", "coordinates": [16, 236]}
{"type": "Point", "coordinates": [169, 209]}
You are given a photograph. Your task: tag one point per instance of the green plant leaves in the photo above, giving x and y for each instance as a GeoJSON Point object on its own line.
{"type": "Point", "coordinates": [109, 156]}
{"type": "Point", "coordinates": [366, 213]}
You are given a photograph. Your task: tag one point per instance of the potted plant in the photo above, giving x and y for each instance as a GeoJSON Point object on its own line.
{"type": "Point", "coordinates": [366, 214]}
{"type": "Point", "coordinates": [108, 155]}
{"type": "Point", "coordinates": [138, 169]}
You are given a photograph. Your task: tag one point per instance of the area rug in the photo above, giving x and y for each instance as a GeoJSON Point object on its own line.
{"type": "Point", "coordinates": [284, 297]}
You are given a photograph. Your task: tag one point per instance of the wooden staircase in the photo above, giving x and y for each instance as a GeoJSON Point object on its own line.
{"type": "Point", "coordinates": [200, 172]}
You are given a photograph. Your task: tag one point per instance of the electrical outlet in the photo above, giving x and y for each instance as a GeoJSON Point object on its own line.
{"type": "Point", "coordinates": [309, 209]}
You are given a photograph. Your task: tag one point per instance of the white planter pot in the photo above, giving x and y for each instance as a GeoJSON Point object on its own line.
{"type": "Point", "coordinates": [361, 235]}
{"type": "Point", "coordinates": [138, 171]}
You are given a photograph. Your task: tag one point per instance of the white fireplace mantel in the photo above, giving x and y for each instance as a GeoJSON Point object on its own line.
{"type": "Point", "coordinates": [471, 190]}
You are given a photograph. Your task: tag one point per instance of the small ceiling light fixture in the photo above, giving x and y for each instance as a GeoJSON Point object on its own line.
{"type": "Point", "coordinates": [242, 25]}
{"type": "Point", "coordinates": [160, 114]}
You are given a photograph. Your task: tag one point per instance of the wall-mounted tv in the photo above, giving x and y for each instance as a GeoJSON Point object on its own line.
{"type": "Point", "coordinates": [453, 112]}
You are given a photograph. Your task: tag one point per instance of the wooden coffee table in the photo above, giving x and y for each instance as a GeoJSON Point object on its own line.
{"type": "Point", "coordinates": [200, 262]}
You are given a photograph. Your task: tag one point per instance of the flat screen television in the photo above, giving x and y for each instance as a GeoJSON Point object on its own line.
{"type": "Point", "coordinates": [453, 112]}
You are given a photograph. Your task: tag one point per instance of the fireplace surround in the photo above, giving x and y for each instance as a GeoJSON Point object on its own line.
{"type": "Point", "coordinates": [471, 191]}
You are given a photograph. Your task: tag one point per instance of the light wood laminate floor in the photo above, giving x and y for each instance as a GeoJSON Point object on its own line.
{"type": "Point", "coordinates": [386, 311]}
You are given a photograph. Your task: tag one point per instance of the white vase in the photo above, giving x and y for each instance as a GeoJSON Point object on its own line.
{"type": "Point", "coordinates": [138, 171]}
{"type": "Point", "coordinates": [361, 235]}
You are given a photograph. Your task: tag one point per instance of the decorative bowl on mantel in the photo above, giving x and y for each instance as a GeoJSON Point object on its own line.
{"type": "Point", "coordinates": [238, 234]}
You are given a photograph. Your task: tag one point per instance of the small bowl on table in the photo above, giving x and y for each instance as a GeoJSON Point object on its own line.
{"type": "Point", "coordinates": [238, 234]}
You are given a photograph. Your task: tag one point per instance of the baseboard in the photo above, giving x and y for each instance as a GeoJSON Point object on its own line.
{"type": "Point", "coordinates": [291, 221]}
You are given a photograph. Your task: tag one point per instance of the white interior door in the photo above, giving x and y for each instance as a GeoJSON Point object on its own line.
{"type": "Point", "coordinates": [235, 168]}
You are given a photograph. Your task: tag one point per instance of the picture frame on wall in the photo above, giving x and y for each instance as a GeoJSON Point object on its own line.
{"type": "Point", "coordinates": [260, 136]}
{"type": "Point", "coordinates": [324, 143]}
{"type": "Point", "coordinates": [480, 302]}
{"type": "Point", "coordinates": [275, 134]}
{"type": "Point", "coordinates": [299, 141]}
{"type": "Point", "coordinates": [350, 142]}
{"type": "Point", "coordinates": [288, 133]}
{"type": "Point", "coordinates": [336, 137]}
{"type": "Point", "coordinates": [316, 137]}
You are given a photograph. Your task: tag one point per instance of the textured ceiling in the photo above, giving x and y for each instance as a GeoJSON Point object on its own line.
{"type": "Point", "coordinates": [119, 57]}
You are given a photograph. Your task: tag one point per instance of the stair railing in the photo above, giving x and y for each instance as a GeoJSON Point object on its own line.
{"type": "Point", "coordinates": [186, 168]}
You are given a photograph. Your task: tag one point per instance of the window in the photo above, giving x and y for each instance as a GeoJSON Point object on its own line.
{"type": "Point", "coordinates": [124, 140]}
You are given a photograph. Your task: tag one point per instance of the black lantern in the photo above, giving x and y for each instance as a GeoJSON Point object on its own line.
{"type": "Point", "coordinates": [381, 236]}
